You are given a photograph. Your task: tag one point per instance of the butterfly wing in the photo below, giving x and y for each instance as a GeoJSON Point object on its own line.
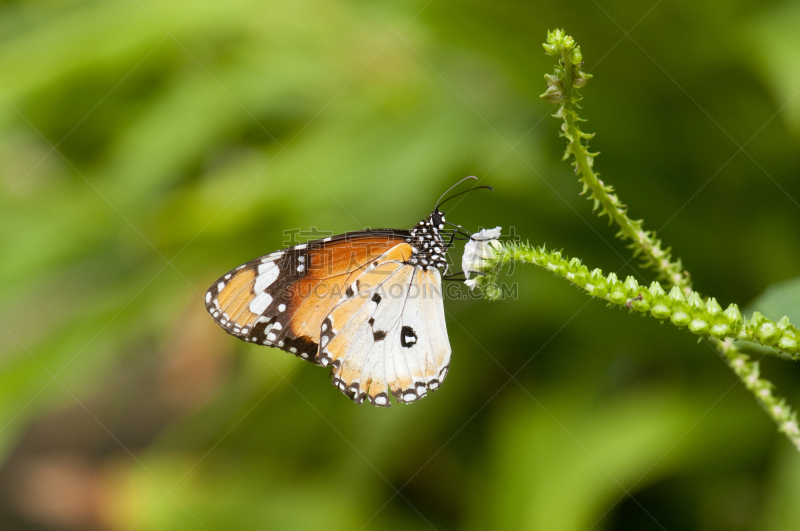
{"type": "Point", "coordinates": [282, 298]}
{"type": "Point", "coordinates": [388, 334]}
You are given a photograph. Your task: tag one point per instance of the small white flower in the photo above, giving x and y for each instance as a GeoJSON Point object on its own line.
{"type": "Point", "coordinates": [479, 248]}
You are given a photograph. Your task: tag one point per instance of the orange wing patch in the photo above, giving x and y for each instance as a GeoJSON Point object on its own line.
{"type": "Point", "coordinates": [233, 294]}
{"type": "Point", "coordinates": [282, 298]}
{"type": "Point", "coordinates": [330, 277]}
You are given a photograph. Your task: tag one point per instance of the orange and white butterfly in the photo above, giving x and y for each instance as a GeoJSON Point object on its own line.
{"type": "Point", "coordinates": [367, 303]}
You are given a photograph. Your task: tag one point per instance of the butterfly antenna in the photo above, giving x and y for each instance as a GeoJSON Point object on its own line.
{"type": "Point", "coordinates": [462, 193]}
{"type": "Point", "coordinates": [459, 182]}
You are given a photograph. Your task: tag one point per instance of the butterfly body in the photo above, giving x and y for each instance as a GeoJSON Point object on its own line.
{"type": "Point", "coordinates": [367, 303]}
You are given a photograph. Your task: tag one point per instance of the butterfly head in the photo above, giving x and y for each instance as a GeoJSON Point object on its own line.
{"type": "Point", "coordinates": [427, 245]}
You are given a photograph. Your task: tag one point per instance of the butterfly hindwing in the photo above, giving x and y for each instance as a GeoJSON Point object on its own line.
{"type": "Point", "coordinates": [389, 338]}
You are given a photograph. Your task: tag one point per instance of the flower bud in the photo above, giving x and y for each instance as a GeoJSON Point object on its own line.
{"type": "Point", "coordinates": [632, 286]}
{"type": "Point", "coordinates": [695, 301]}
{"type": "Point", "coordinates": [553, 94]}
{"type": "Point", "coordinates": [701, 319]}
{"type": "Point", "coordinates": [681, 314]}
{"type": "Point", "coordinates": [576, 57]}
{"type": "Point", "coordinates": [788, 342]}
{"type": "Point", "coordinates": [712, 306]}
{"type": "Point", "coordinates": [698, 326]}
{"type": "Point", "coordinates": [661, 307]}
{"type": "Point", "coordinates": [580, 78]}
{"type": "Point", "coordinates": [600, 287]}
{"type": "Point", "coordinates": [719, 325]}
{"type": "Point", "coordinates": [732, 312]}
{"type": "Point", "coordinates": [581, 276]}
{"type": "Point", "coordinates": [656, 289]}
{"type": "Point", "coordinates": [768, 333]}
{"type": "Point", "coordinates": [676, 294]}
{"type": "Point", "coordinates": [640, 304]}
{"type": "Point", "coordinates": [617, 292]}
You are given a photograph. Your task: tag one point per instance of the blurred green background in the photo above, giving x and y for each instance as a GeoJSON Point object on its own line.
{"type": "Point", "coordinates": [146, 147]}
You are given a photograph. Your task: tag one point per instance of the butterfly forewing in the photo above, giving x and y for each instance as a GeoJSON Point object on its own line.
{"type": "Point", "coordinates": [281, 299]}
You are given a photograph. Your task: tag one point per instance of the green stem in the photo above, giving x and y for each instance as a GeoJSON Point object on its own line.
{"type": "Point", "coordinates": [702, 316]}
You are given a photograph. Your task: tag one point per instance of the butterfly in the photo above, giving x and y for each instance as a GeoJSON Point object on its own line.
{"type": "Point", "coordinates": [368, 303]}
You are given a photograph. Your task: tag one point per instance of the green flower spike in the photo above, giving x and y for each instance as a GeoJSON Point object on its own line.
{"type": "Point", "coordinates": [679, 304]}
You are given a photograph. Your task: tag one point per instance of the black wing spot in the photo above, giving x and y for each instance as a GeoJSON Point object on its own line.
{"type": "Point", "coordinates": [349, 292]}
{"type": "Point", "coordinates": [371, 321]}
{"type": "Point", "coordinates": [379, 335]}
{"type": "Point", "coordinates": [408, 338]}
{"type": "Point", "coordinates": [376, 298]}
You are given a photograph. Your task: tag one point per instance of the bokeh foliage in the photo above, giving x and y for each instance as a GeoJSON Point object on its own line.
{"type": "Point", "coordinates": [147, 147]}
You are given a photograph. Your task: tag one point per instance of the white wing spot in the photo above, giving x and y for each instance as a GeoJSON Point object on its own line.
{"type": "Point", "coordinates": [278, 326]}
{"type": "Point", "coordinates": [272, 257]}
{"type": "Point", "coordinates": [208, 297]}
{"type": "Point", "coordinates": [220, 286]}
{"type": "Point", "coordinates": [266, 278]}
{"type": "Point", "coordinates": [380, 400]}
{"type": "Point", "coordinates": [301, 246]}
{"type": "Point", "coordinates": [260, 303]}
{"type": "Point", "coordinates": [263, 268]}
{"type": "Point", "coordinates": [271, 336]}
{"type": "Point", "coordinates": [281, 307]}
{"type": "Point", "coordinates": [326, 239]}
{"type": "Point", "coordinates": [301, 259]}
{"type": "Point", "coordinates": [293, 350]}
{"type": "Point", "coordinates": [228, 276]}
{"type": "Point", "coordinates": [301, 268]}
